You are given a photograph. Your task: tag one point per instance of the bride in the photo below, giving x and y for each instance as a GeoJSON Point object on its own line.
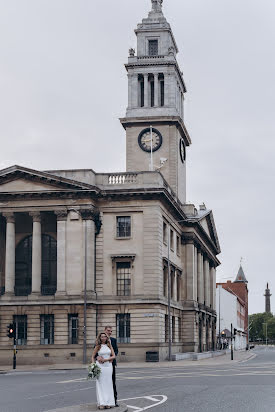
{"type": "Point", "coordinates": [104, 385]}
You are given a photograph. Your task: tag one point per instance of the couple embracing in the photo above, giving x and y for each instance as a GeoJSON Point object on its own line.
{"type": "Point", "coordinates": [104, 354]}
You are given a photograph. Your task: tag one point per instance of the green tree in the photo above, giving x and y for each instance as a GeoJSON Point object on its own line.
{"type": "Point", "coordinates": [271, 329]}
{"type": "Point", "coordinates": [257, 327]}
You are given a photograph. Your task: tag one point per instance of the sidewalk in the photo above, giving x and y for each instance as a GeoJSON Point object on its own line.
{"type": "Point", "coordinates": [239, 356]}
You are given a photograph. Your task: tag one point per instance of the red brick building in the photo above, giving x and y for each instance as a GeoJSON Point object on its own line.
{"type": "Point", "coordinates": [239, 288]}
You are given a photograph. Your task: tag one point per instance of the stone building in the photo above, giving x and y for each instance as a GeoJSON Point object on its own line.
{"type": "Point", "coordinates": [112, 238]}
{"type": "Point", "coordinates": [239, 288]}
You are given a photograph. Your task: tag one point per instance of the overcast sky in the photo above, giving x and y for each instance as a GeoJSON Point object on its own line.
{"type": "Point", "coordinates": [63, 87]}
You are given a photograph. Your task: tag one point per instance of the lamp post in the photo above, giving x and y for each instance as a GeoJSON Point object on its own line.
{"type": "Point", "coordinates": [265, 323]}
{"type": "Point", "coordinates": [169, 300]}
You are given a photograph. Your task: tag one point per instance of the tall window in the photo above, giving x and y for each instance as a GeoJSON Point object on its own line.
{"type": "Point", "coordinates": [166, 328]}
{"type": "Point", "coordinates": [171, 239]}
{"type": "Point", "coordinates": [23, 267]}
{"type": "Point", "coordinates": [173, 329]}
{"type": "Point", "coordinates": [178, 246]}
{"type": "Point", "coordinates": [46, 329]}
{"type": "Point", "coordinates": [21, 329]}
{"type": "Point", "coordinates": [123, 278]}
{"type": "Point", "coordinates": [165, 281]}
{"type": "Point", "coordinates": [164, 233]}
{"type": "Point", "coordinates": [179, 329]}
{"type": "Point", "coordinates": [49, 265]}
{"type": "Point", "coordinates": [162, 92]}
{"type": "Point", "coordinates": [178, 286]}
{"type": "Point", "coordinates": [123, 328]}
{"type": "Point", "coordinates": [152, 91]}
{"type": "Point", "coordinates": [153, 48]}
{"type": "Point", "coordinates": [73, 329]}
{"type": "Point", "coordinates": [123, 226]}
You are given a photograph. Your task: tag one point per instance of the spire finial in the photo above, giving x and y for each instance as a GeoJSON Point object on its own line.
{"type": "Point", "coordinates": [241, 261]}
{"type": "Point", "coordinates": [157, 5]}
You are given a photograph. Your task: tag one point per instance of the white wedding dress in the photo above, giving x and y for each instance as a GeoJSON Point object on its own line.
{"type": "Point", "coordinates": [104, 384]}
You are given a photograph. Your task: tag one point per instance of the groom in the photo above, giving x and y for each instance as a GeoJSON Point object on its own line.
{"type": "Point", "coordinates": [109, 331]}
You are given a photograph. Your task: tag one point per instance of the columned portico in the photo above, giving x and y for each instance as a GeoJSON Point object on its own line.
{"type": "Point", "coordinates": [10, 253]}
{"type": "Point", "coordinates": [36, 253]}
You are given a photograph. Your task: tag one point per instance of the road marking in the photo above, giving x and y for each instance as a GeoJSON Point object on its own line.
{"type": "Point", "coordinates": [59, 393]}
{"type": "Point", "coordinates": [154, 398]}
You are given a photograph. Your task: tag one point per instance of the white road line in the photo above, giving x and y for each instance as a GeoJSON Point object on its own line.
{"type": "Point", "coordinates": [154, 398]}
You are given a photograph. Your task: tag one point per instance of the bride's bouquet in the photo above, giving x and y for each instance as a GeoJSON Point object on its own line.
{"type": "Point", "coordinates": [94, 371]}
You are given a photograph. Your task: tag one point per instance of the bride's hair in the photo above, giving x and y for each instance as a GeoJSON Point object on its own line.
{"type": "Point", "coordinates": [98, 341]}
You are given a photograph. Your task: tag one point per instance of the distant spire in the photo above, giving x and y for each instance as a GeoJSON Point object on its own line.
{"type": "Point", "coordinates": [267, 296]}
{"type": "Point", "coordinates": [241, 276]}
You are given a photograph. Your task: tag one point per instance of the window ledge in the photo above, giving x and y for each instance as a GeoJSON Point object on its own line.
{"type": "Point", "coordinates": [123, 237]}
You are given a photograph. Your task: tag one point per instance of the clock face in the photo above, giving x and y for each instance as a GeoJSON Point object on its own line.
{"type": "Point", "coordinates": [144, 140]}
{"type": "Point", "coordinates": [182, 151]}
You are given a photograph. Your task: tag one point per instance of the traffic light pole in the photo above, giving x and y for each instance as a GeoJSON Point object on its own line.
{"type": "Point", "coordinates": [14, 352]}
{"type": "Point", "coordinates": [231, 341]}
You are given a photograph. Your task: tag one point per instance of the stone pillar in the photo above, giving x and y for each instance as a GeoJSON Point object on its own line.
{"type": "Point", "coordinates": [10, 254]}
{"type": "Point", "coordinates": [166, 89]}
{"type": "Point", "coordinates": [190, 271]}
{"type": "Point", "coordinates": [200, 277]}
{"type": "Point", "coordinates": [61, 217]}
{"type": "Point", "coordinates": [206, 282]}
{"type": "Point", "coordinates": [156, 90]}
{"type": "Point", "coordinates": [213, 283]}
{"type": "Point", "coordinates": [146, 90]}
{"type": "Point", "coordinates": [89, 243]}
{"type": "Point", "coordinates": [135, 91]}
{"type": "Point", "coordinates": [36, 253]}
{"type": "Point", "coordinates": [130, 88]}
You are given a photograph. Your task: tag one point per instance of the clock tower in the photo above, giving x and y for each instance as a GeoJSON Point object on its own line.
{"type": "Point", "coordinates": [156, 137]}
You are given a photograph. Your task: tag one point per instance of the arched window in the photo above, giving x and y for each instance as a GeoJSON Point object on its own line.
{"type": "Point", "coordinates": [49, 265]}
{"type": "Point", "coordinates": [23, 267]}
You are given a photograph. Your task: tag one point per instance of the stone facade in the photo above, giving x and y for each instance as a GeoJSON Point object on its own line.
{"type": "Point", "coordinates": [124, 243]}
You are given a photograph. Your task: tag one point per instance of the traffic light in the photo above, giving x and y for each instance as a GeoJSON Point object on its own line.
{"type": "Point", "coordinates": [11, 331]}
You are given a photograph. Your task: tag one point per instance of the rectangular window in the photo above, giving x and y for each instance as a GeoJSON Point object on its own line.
{"type": "Point", "coordinates": [123, 278]}
{"type": "Point", "coordinates": [123, 226]}
{"type": "Point", "coordinates": [46, 329]}
{"type": "Point", "coordinates": [178, 246]}
{"type": "Point", "coordinates": [21, 329]}
{"type": "Point", "coordinates": [173, 329]}
{"type": "Point", "coordinates": [171, 239]}
{"type": "Point", "coordinates": [162, 92]}
{"type": "Point", "coordinates": [179, 329]}
{"type": "Point", "coordinates": [166, 328]}
{"type": "Point", "coordinates": [141, 92]}
{"type": "Point", "coordinates": [73, 329]}
{"type": "Point", "coordinates": [178, 286]}
{"type": "Point", "coordinates": [164, 233]}
{"type": "Point", "coordinates": [153, 48]}
{"type": "Point", "coordinates": [165, 281]}
{"type": "Point", "coordinates": [123, 328]}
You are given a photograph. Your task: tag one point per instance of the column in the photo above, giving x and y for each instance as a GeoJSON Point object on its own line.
{"type": "Point", "coordinates": [156, 89]}
{"type": "Point", "coordinates": [61, 217]}
{"type": "Point", "coordinates": [195, 274]}
{"type": "Point", "coordinates": [10, 253]}
{"type": "Point", "coordinates": [190, 267]}
{"type": "Point", "coordinates": [135, 91]}
{"type": "Point", "coordinates": [36, 252]}
{"type": "Point", "coordinates": [166, 89]}
{"type": "Point", "coordinates": [206, 282]}
{"type": "Point", "coordinates": [213, 287]}
{"type": "Point", "coordinates": [130, 88]}
{"type": "Point", "coordinates": [200, 278]}
{"type": "Point", "coordinates": [89, 243]}
{"type": "Point", "coordinates": [146, 90]}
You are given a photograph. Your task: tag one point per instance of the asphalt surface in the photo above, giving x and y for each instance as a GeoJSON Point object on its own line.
{"type": "Point", "coordinates": [223, 386]}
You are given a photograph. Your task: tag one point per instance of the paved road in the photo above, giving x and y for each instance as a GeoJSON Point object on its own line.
{"type": "Point", "coordinates": [242, 386]}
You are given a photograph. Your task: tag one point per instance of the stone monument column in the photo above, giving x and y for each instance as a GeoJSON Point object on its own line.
{"type": "Point", "coordinates": [61, 217]}
{"type": "Point", "coordinates": [36, 252]}
{"type": "Point", "coordinates": [10, 253]}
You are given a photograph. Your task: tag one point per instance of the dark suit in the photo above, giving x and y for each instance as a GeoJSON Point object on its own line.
{"type": "Point", "coordinates": [114, 345]}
